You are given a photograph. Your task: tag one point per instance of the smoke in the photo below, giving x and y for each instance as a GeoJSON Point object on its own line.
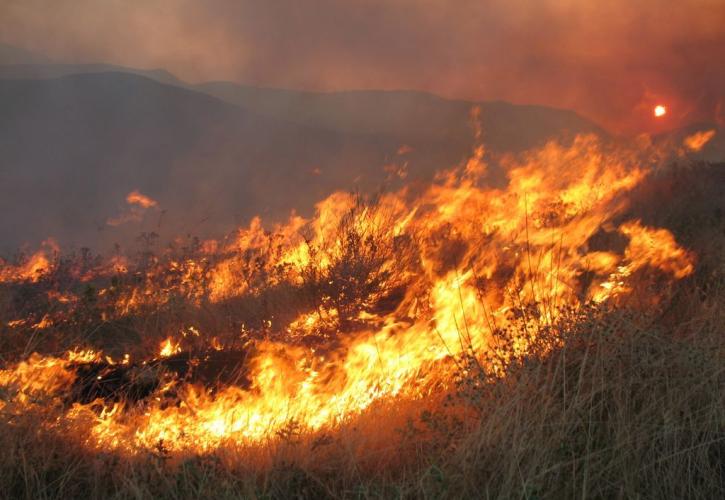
{"type": "Point", "coordinates": [611, 61]}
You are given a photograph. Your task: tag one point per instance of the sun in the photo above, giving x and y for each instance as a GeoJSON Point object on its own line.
{"type": "Point", "coordinates": [660, 111]}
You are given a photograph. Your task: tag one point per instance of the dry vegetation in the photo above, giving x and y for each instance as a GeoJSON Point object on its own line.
{"type": "Point", "coordinates": [619, 398]}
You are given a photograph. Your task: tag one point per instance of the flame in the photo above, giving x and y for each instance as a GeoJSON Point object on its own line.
{"type": "Point", "coordinates": [391, 296]}
{"type": "Point", "coordinates": [138, 204]}
{"type": "Point", "coordinates": [660, 110]}
{"type": "Point", "coordinates": [655, 248]}
{"type": "Point", "coordinates": [168, 348]}
{"type": "Point", "coordinates": [43, 376]}
{"type": "Point", "coordinates": [34, 267]}
{"type": "Point", "coordinates": [698, 140]}
{"type": "Point", "coordinates": [136, 198]}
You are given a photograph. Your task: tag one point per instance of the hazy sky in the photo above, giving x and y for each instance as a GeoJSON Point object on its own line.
{"type": "Point", "coordinates": [611, 60]}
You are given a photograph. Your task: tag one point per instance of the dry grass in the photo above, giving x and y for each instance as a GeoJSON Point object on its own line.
{"type": "Point", "coordinates": [618, 404]}
{"type": "Point", "coordinates": [626, 407]}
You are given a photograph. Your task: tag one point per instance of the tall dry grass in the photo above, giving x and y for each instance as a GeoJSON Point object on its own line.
{"type": "Point", "coordinates": [626, 406]}
{"type": "Point", "coordinates": [616, 403]}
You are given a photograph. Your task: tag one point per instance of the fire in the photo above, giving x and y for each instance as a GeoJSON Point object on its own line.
{"type": "Point", "coordinates": [136, 198]}
{"type": "Point", "coordinates": [660, 110]}
{"type": "Point", "coordinates": [168, 348]}
{"type": "Point", "coordinates": [138, 204]}
{"type": "Point", "coordinates": [34, 267]}
{"type": "Point", "coordinates": [379, 301]}
{"type": "Point", "coordinates": [698, 140]}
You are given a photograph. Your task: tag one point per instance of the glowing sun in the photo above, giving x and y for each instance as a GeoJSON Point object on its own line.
{"type": "Point", "coordinates": [660, 111]}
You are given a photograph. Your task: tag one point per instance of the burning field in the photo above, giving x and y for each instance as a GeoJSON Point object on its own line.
{"type": "Point", "coordinates": [561, 335]}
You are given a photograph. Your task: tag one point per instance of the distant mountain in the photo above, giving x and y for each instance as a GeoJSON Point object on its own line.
{"type": "Point", "coordinates": [75, 139]}
{"type": "Point", "coordinates": [409, 115]}
{"type": "Point", "coordinates": [19, 63]}
{"type": "Point", "coordinates": [72, 148]}
{"type": "Point", "coordinates": [10, 54]}
{"type": "Point", "coordinates": [54, 70]}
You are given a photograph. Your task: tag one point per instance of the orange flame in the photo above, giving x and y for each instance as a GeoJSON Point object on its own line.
{"type": "Point", "coordinates": [34, 267]}
{"type": "Point", "coordinates": [136, 198]}
{"type": "Point", "coordinates": [410, 285]}
{"type": "Point", "coordinates": [168, 348]}
{"type": "Point", "coordinates": [698, 140]}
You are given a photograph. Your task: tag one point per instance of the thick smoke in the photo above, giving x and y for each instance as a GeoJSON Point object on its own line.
{"type": "Point", "coordinates": [611, 61]}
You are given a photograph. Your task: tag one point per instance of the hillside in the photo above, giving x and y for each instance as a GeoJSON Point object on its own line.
{"type": "Point", "coordinates": [74, 147]}
{"type": "Point", "coordinates": [409, 115]}
{"type": "Point", "coordinates": [24, 71]}
{"type": "Point", "coordinates": [216, 154]}
{"type": "Point", "coordinates": [11, 55]}
{"type": "Point", "coordinates": [208, 160]}
{"type": "Point", "coordinates": [406, 116]}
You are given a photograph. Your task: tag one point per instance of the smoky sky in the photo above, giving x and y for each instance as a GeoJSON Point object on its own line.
{"type": "Point", "coordinates": [610, 60]}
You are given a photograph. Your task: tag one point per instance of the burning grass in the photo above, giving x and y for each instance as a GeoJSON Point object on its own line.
{"type": "Point", "coordinates": [561, 336]}
{"type": "Point", "coordinates": [625, 406]}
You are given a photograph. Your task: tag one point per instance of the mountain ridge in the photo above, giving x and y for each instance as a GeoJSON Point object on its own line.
{"type": "Point", "coordinates": [75, 139]}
